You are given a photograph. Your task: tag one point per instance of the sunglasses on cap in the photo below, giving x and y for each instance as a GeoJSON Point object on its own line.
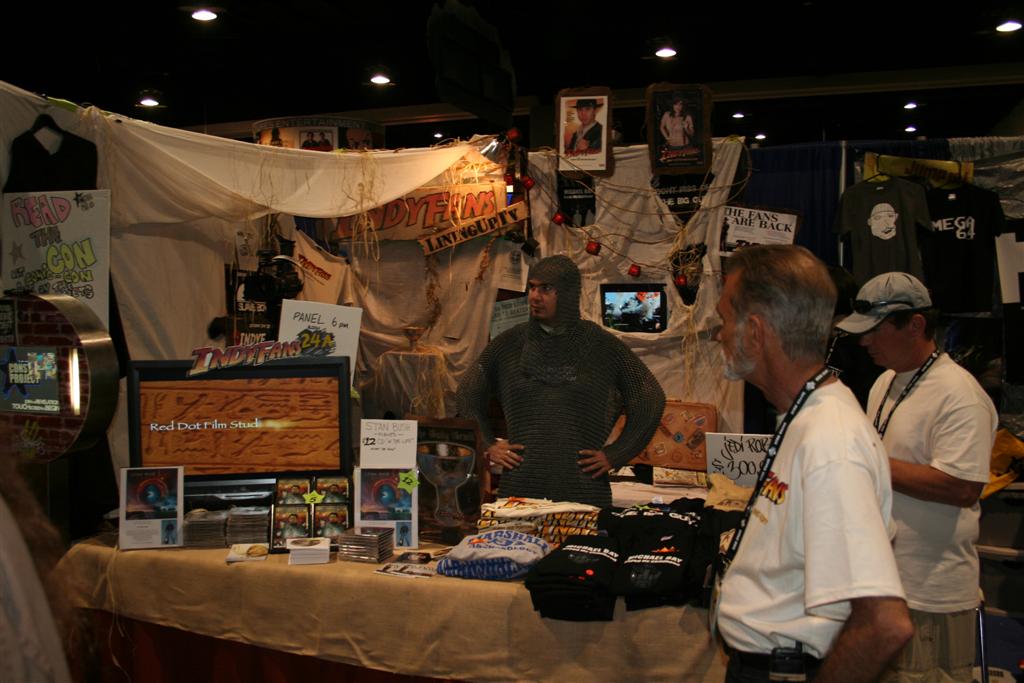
{"type": "Point", "coordinates": [864, 306]}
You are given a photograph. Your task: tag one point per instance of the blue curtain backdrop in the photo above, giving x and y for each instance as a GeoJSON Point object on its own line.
{"type": "Point", "coordinates": [805, 178]}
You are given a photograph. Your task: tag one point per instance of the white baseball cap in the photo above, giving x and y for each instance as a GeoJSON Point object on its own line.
{"type": "Point", "coordinates": [884, 294]}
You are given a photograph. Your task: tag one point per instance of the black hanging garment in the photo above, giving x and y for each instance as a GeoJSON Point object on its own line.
{"type": "Point", "coordinates": [71, 167]}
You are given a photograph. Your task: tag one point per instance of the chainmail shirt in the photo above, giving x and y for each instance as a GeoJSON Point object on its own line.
{"type": "Point", "coordinates": [562, 388]}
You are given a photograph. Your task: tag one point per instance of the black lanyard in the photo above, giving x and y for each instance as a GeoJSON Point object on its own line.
{"type": "Point", "coordinates": [769, 459]}
{"type": "Point", "coordinates": [903, 394]}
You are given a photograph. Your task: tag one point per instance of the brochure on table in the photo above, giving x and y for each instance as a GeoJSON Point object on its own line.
{"type": "Point", "coordinates": [151, 507]}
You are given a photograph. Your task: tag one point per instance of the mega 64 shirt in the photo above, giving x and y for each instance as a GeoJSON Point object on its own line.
{"type": "Point", "coordinates": [818, 535]}
{"type": "Point", "coordinates": [960, 251]}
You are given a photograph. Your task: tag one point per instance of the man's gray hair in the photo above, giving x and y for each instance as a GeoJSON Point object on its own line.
{"type": "Point", "coordinates": [790, 288]}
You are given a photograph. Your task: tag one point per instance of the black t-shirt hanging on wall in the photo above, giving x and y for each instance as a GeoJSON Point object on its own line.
{"type": "Point", "coordinates": [35, 169]}
{"type": "Point", "coordinates": [958, 253]}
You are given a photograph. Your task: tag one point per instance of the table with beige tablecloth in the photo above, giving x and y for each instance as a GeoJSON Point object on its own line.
{"type": "Point", "coordinates": [345, 612]}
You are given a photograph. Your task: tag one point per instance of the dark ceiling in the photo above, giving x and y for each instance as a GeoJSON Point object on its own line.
{"type": "Point", "coordinates": [264, 59]}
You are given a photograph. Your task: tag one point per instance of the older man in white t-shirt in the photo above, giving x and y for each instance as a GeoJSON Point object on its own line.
{"type": "Point", "coordinates": [812, 591]}
{"type": "Point", "coordinates": [938, 426]}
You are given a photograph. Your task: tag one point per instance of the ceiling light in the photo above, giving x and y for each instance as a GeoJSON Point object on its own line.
{"type": "Point", "coordinates": [910, 129]}
{"type": "Point", "coordinates": [738, 115]}
{"type": "Point", "coordinates": [910, 105]}
{"type": "Point", "coordinates": [760, 136]}
{"type": "Point", "coordinates": [149, 98]}
{"type": "Point", "coordinates": [204, 14]}
{"type": "Point", "coordinates": [379, 78]}
{"type": "Point", "coordinates": [1008, 26]}
{"type": "Point", "coordinates": [438, 135]}
{"type": "Point", "coordinates": [665, 52]}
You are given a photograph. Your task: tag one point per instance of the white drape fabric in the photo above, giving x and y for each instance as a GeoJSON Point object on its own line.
{"type": "Point", "coordinates": [178, 198]}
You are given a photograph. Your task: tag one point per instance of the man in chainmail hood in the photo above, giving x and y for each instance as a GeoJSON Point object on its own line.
{"type": "Point", "coordinates": [562, 383]}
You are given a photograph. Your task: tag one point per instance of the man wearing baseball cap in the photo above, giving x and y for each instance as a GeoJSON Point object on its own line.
{"type": "Point", "coordinates": [938, 426]}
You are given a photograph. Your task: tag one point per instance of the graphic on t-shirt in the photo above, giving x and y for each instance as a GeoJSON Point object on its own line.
{"type": "Point", "coordinates": [774, 489]}
{"type": "Point", "coordinates": [963, 225]}
{"type": "Point", "coordinates": [883, 221]}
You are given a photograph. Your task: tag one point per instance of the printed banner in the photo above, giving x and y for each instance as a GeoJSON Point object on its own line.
{"type": "Point", "coordinates": [485, 226]}
{"type": "Point", "coordinates": [58, 243]}
{"type": "Point", "coordinates": [322, 329]}
{"type": "Point", "coordinates": [746, 226]}
{"type": "Point", "coordinates": [429, 208]}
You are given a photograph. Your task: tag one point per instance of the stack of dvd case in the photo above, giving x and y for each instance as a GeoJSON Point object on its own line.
{"type": "Point", "coordinates": [248, 525]}
{"type": "Point", "coordinates": [205, 529]}
{"type": "Point", "coordinates": [366, 544]}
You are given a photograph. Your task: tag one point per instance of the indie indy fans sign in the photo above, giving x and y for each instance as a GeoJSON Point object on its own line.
{"type": "Point", "coordinates": [745, 226]}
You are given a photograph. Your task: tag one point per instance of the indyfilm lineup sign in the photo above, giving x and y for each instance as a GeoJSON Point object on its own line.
{"type": "Point", "coordinates": [428, 208]}
{"type": "Point", "coordinates": [484, 226]}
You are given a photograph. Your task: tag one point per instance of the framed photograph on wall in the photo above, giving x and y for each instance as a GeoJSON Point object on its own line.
{"type": "Point", "coordinates": [679, 128]}
{"type": "Point", "coordinates": [584, 131]}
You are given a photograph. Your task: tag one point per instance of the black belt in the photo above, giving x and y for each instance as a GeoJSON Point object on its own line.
{"type": "Point", "coordinates": [757, 660]}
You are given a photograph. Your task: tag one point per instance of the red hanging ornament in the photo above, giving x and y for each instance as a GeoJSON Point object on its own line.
{"type": "Point", "coordinates": [593, 248]}
{"type": "Point", "coordinates": [559, 218]}
{"type": "Point", "coordinates": [512, 134]}
{"type": "Point", "coordinates": [681, 280]}
{"type": "Point", "coordinates": [528, 182]}
{"type": "Point", "coordinates": [634, 270]}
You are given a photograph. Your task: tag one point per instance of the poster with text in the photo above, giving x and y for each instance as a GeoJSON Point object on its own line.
{"type": "Point", "coordinates": [745, 226]}
{"type": "Point", "coordinates": [584, 130]}
{"type": "Point", "coordinates": [509, 313]}
{"type": "Point", "coordinates": [322, 329]}
{"type": "Point", "coordinates": [151, 507]}
{"type": "Point", "coordinates": [30, 379]}
{"type": "Point", "coordinates": [388, 498]}
{"type": "Point", "coordinates": [58, 243]}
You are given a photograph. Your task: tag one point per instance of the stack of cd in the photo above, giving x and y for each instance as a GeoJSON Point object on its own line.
{"type": "Point", "coordinates": [248, 525]}
{"type": "Point", "coordinates": [366, 544]}
{"type": "Point", "coordinates": [308, 550]}
{"type": "Point", "coordinates": [205, 529]}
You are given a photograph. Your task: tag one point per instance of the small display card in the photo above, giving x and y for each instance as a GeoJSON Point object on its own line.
{"type": "Point", "coordinates": [737, 456]}
{"type": "Point", "coordinates": [387, 444]}
{"type": "Point", "coordinates": [151, 507]}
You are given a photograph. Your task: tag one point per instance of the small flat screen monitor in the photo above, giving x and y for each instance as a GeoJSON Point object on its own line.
{"type": "Point", "coordinates": [631, 307]}
{"type": "Point", "coordinates": [284, 416]}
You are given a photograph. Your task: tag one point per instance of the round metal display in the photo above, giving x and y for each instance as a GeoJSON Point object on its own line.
{"type": "Point", "coordinates": [59, 373]}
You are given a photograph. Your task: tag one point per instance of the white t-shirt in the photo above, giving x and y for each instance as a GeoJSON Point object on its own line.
{"type": "Point", "coordinates": [947, 421]}
{"type": "Point", "coordinates": [818, 535]}
{"type": "Point", "coordinates": [30, 647]}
